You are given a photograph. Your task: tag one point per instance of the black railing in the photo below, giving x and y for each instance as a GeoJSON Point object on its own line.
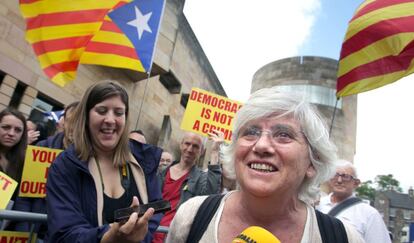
{"type": "Point", "coordinates": [33, 218]}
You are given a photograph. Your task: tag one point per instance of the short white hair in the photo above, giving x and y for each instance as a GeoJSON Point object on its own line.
{"type": "Point", "coordinates": [270, 102]}
{"type": "Point", "coordinates": [342, 163]}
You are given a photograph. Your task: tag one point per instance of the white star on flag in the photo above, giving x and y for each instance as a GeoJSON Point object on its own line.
{"type": "Point", "coordinates": [141, 22]}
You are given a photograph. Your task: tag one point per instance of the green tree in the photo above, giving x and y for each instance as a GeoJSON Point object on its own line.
{"type": "Point", "coordinates": [365, 190]}
{"type": "Point", "coordinates": [387, 182]}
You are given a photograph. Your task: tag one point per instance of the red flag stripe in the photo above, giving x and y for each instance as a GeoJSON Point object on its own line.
{"type": "Point", "coordinates": [28, 1]}
{"type": "Point", "coordinates": [73, 17]}
{"type": "Point", "coordinates": [377, 5]}
{"type": "Point", "coordinates": [379, 67]}
{"type": "Point", "coordinates": [100, 47]}
{"type": "Point", "coordinates": [371, 34]}
{"type": "Point", "coordinates": [110, 26]}
{"type": "Point", "coordinates": [42, 47]}
{"type": "Point", "coordinates": [56, 68]}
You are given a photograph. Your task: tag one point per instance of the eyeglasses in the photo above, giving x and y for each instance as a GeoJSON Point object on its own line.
{"type": "Point", "coordinates": [344, 177]}
{"type": "Point", "coordinates": [279, 134]}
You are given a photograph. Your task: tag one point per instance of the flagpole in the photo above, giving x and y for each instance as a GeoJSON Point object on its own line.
{"type": "Point", "coordinates": [333, 116]}
{"type": "Point", "coordinates": [143, 98]}
{"type": "Point", "coordinates": [150, 67]}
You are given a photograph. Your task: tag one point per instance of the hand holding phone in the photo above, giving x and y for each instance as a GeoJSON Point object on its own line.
{"type": "Point", "coordinates": [122, 215]}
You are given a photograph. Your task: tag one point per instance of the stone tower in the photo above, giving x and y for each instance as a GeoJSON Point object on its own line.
{"type": "Point", "coordinates": [316, 77]}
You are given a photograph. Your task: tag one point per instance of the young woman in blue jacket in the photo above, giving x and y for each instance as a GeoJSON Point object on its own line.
{"type": "Point", "coordinates": [101, 172]}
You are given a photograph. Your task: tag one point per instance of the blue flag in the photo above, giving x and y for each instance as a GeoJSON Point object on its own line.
{"type": "Point", "coordinates": [140, 21]}
{"type": "Point", "coordinates": [54, 115]}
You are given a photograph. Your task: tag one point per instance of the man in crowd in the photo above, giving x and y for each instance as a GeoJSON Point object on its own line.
{"type": "Point", "coordinates": [166, 160]}
{"type": "Point", "coordinates": [183, 180]}
{"type": "Point", "coordinates": [137, 135]}
{"type": "Point", "coordinates": [342, 204]}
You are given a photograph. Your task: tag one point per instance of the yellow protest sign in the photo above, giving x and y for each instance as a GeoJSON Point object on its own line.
{"type": "Point", "coordinates": [15, 237]}
{"type": "Point", "coordinates": [36, 166]}
{"type": "Point", "coordinates": [7, 187]}
{"type": "Point", "coordinates": [207, 111]}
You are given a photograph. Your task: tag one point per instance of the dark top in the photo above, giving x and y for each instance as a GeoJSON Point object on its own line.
{"type": "Point", "coordinates": [124, 201]}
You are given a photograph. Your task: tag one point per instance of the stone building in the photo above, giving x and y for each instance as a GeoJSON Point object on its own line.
{"type": "Point", "coordinates": [397, 210]}
{"type": "Point", "coordinates": [316, 78]}
{"type": "Point", "coordinates": [179, 65]}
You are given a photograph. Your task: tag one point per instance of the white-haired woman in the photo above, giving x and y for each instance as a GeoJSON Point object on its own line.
{"type": "Point", "coordinates": [279, 155]}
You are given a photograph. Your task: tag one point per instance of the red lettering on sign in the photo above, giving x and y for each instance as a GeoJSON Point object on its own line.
{"type": "Point", "coordinates": [33, 187]}
{"type": "Point", "coordinates": [35, 154]}
{"type": "Point", "coordinates": [46, 172]}
{"type": "Point", "coordinates": [213, 101]}
{"type": "Point", "coordinates": [208, 128]}
{"type": "Point", "coordinates": [193, 95]}
{"type": "Point", "coordinates": [43, 156]}
{"type": "Point", "coordinates": [222, 118]}
{"type": "Point", "coordinates": [12, 239]}
{"type": "Point", "coordinates": [6, 183]}
{"type": "Point", "coordinates": [196, 125]}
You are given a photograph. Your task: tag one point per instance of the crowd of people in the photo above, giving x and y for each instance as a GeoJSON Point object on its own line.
{"type": "Point", "coordinates": [268, 176]}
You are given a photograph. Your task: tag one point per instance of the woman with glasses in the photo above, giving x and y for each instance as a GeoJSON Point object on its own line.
{"type": "Point", "coordinates": [279, 155]}
{"type": "Point", "coordinates": [102, 171]}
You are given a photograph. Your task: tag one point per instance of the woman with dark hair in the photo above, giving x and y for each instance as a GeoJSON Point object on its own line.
{"type": "Point", "coordinates": [101, 172]}
{"type": "Point", "coordinates": [61, 140]}
{"type": "Point", "coordinates": [13, 143]}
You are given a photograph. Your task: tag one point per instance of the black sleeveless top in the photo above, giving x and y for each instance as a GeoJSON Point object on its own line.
{"type": "Point", "coordinates": [124, 201]}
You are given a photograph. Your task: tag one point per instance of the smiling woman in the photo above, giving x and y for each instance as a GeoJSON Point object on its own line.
{"type": "Point", "coordinates": [101, 172]}
{"type": "Point", "coordinates": [280, 153]}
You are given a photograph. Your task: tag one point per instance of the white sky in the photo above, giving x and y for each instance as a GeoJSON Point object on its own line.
{"type": "Point", "coordinates": [239, 37]}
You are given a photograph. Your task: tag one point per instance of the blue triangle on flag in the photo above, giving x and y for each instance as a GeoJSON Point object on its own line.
{"type": "Point", "coordinates": [140, 21]}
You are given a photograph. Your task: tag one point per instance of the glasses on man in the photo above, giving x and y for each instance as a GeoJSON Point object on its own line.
{"type": "Point", "coordinates": [280, 134]}
{"type": "Point", "coordinates": [344, 177]}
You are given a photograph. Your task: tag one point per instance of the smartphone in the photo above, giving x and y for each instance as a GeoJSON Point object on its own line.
{"type": "Point", "coordinates": [122, 214]}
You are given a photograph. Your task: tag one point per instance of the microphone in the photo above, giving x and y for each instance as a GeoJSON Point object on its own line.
{"type": "Point", "coordinates": [255, 234]}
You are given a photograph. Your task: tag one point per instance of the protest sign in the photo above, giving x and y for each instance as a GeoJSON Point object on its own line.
{"type": "Point", "coordinates": [207, 111]}
{"type": "Point", "coordinates": [15, 237]}
{"type": "Point", "coordinates": [36, 166]}
{"type": "Point", "coordinates": [7, 187]}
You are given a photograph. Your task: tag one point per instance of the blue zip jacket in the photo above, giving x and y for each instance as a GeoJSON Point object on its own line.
{"type": "Point", "coordinates": [37, 205]}
{"type": "Point", "coordinates": [72, 196]}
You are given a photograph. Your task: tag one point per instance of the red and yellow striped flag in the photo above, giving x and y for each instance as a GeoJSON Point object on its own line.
{"type": "Point", "coordinates": [379, 46]}
{"type": "Point", "coordinates": [64, 33]}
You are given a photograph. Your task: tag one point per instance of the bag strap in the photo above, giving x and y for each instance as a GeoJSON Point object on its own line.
{"type": "Point", "coordinates": [331, 229]}
{"type": "Point", "coordinates": [343, 205]}
{"type": "Point", "coordinates": [203, 217]}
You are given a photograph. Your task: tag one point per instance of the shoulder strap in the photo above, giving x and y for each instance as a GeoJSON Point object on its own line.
{"type": "Point", "coordinates": [343, 205]}
{"type": "Point", "coordinates": [331, 229]}
{"type": "Point", "coordinates": [203, 217]}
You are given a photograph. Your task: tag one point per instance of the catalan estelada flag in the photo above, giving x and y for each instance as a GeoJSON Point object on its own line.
{"type": "Point", "coordinates": [379, 46]}
{"type": "Point", "coordinates": [65, 33]}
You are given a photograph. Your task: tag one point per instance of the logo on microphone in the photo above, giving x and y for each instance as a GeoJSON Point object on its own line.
{"type": "Point", "coordinates": [255, 234]}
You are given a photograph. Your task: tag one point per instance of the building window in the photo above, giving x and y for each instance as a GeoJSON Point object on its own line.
{"type": "Point", "coordinates": [407, 214]}
{"type": "Point", "coordinates": [2, 76]}
{"type": "Point", "coordinates": [17, 95]}
{"type": "Point", "coordinates": [171, 83]}
{"type": "Point", "coordinates": [41, 105]}
{"type": "Point", "coordinates": [392, 212]}
{"type": "Point", "coordinates": [184, 100]}
{"type": "Point", "coordinates": [314, 94]}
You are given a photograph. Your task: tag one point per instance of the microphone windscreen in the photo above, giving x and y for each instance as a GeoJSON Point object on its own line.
{"type": "Point", "coordinates": [256, 234]}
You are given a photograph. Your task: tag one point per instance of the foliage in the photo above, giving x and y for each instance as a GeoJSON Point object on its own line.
{"type": "Point", "coordinates": [387, 182]}
{"type": "Point", "coordinates": [382, 183]}
{"type": "Point", "coordinates": [365, 190]}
